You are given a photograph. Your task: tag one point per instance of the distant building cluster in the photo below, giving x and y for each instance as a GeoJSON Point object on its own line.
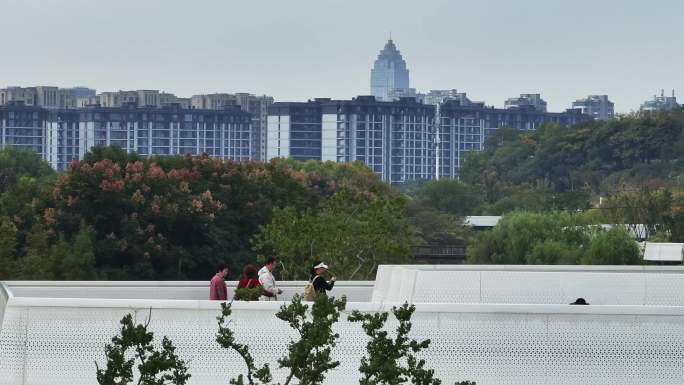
{"type": "Point", "coordinates": [62, 124]}
{"type": "Point", "coordinates": [398, 139]}
{"type": "Point", "coordinates": [45, 97]}
{"type": "Point", "coordinates": [394, 138]}
{"type": "Point", "coordinates": [63, 135]}
{"type": "Point", "coordinates": [660, 103]}
{"type": "Point", "coordinates": [400, 133]}
{"type": "Point", "coordinates": [390, 81]}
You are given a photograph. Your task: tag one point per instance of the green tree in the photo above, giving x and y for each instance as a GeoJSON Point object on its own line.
{"type": "Point", "coordinates": [309, 358]}
{"type": "Point", "coordinates": [676, 225]}
{"type": "Point", "coordinates": [549, 252]}
{"type": "Point", "coordinates": [25, 203]}
{"type": "Point", "coordinates": [170, 217]}
{"type": "Point", "coordinates": [16, 163]}
{"type": "Point", "coordinates": [59, 253]}
{"type": "Point", "coordinates": [136, 344]}
{"type": "Point", "coordinates": [434, 226]}
{"type": "Point", "coordinates": [635, 207]}
{"type": "Point", "coordinates": [80, 263]}
{"type": "Point", "coordinates": [593, 157]}
{"type": "Point", "coordinates": [226, 338]}
{"type": "Point", "coordinates": [8, 248]}
{"type": "Point", "coordinates": [527, 238]}
{"type": "Point", "coordinates": [35, 265]}
{"type": "Point", "coordinates": [353, 230]}
{"type": "Point", "coordinates": [393, 361]}
{"type": "Point", "coordinates": [450, 196]}
{"type": "Point", "coordinates": [612, 247]}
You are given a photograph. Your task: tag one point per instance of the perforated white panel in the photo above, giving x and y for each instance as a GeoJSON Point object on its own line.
{"type": "Point", "coordinates": [563, 287]}
{"type": "Point", "coordinates": [492, 344]}
{"type": "Point", "coordinates": [533, 287]}
{"type": "Point", "coordinates": [451, 287]}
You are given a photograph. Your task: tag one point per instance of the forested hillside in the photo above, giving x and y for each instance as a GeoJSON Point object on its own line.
{"type": "Point", "coordinates": [596, 157]}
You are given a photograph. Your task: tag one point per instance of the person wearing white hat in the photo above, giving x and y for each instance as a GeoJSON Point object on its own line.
{"type": "Point", "coordinates": [319, 283]}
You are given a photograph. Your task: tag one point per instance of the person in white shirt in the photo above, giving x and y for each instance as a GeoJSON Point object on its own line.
{"type": "Point", "coordinates": [270, 291]}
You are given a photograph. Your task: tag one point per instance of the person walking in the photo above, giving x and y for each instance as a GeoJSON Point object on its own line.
{"type": "Point", "coordinates": [319, 283]}
{"type": "Point", "coordinates": [249, 278]}
{"type": "Point", "coordinates": [217, 287]}
{"type": "Point", "coordinates": [269, 291]}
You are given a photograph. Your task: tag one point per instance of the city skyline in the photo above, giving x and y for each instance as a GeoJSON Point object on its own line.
{"type": "Point", "coordinates": [500, 50]}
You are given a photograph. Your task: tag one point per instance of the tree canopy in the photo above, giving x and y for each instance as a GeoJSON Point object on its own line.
{"type": "Point", "coordinates": [116, 215]}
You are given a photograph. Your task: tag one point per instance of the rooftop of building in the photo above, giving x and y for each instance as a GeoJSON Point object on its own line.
{"type": "Point", "coordinates": [362, 100]}
{"type": "Point", "coordinates": [127, 108]}
{"type": "Point", "coordinates": [390, 52]}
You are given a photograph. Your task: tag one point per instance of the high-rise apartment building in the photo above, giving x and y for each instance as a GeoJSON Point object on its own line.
{"type": "Point", "coordinates": [63, 135]}
{"type": "Point", "coordinates": [596, 106]}
{"type": "Point", "coordinates": [23, 126]}
{"type": "Point", "coordinates": [395, 139]}
{"type": "Point", "coordinates": [167, 99]}
{"type": "Point", "coordinates": [527, 101]}
{"type": "Point", "coordinates": [115, 99]}
{"type": "Point", "coordinates": [258, 107]}
{"type": "Point", "coordinates": [138, 98]}
{"type": "Point", "coordinates": [25, 95]}
{"type": "Point", "coordinates": [660, 103]}
{"type": "Point", "coordinates": [254, 104]}
{"type": "Point", "coordinates": [437, 97]}
{"type": "Point", "coordinates": [45, 96]}
{"type": "Point", "coordinates": [398, 93]}
{"type": "Point", "coordinates": [447, 159]}
{"type": "Point", "coordinates": [464, 128]}
{"type": "Point", "coordinates": [458, 135]}
{"type": "Point", "coordinates": [213, 101]}
{"type": "Point", "coordinates": [400, 140]}
{"type": "Point", "coordinates": [389, 74]}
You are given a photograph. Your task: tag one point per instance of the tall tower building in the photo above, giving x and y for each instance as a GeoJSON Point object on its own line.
{"type": "Point", "coordinates": [596, 106]}
{"type": "Point", "coordinates": [389, 75]}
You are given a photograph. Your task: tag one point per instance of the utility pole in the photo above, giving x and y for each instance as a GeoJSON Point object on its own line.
{"type": "Point", "coordinates": [438, 140]}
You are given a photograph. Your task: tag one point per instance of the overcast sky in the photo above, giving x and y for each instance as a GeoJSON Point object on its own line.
{"type": "Point", "coordinates": [300, 49]}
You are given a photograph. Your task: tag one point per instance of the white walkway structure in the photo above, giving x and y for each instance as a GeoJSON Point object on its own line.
{"type": "Point", "coordinates": [497, 325]}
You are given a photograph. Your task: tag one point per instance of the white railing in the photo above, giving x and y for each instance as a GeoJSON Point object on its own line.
{"type": "Point", "coordinates": [358, 291]}
{"type": "Point", "coordinates": [5, 295]}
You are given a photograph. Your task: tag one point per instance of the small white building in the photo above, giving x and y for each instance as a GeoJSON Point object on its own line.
{"type": "Point", "coordinates": [663, 253]}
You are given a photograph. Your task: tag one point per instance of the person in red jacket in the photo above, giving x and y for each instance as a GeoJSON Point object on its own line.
{"type": "Point", "coordinates": [249, 278]}
{"type": "Point", "coordinates": [217, 288]}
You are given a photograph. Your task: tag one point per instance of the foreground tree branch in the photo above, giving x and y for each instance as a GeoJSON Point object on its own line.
{"type": "Point", "coordinates": [384, 364]}
{"type": "Point", "coordinates": [226, 338]}
{"type": "Point", "coordinates": [155, 367]}
{"type": "Point", "coordinates": [309, 359]}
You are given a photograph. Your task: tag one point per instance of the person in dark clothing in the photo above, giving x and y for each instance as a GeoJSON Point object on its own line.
{"type": "Point", "coordinates": [579, 301]}
{"type": "Point", "coordinates": [249, 278]}
{"type": "Point", "coordinates": [319, 283]}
